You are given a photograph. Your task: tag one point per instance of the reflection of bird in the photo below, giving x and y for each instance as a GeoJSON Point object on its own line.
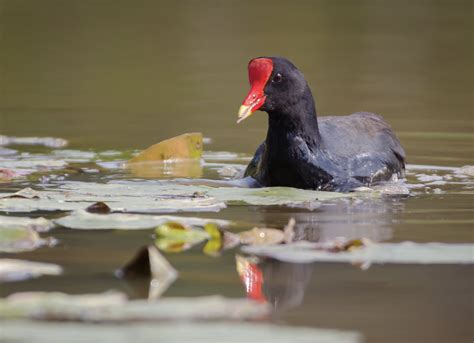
{"type": "Point", "coordinates": [278, 283]}
{"type": "Point", "coordinates": [284, 284]}
{"type": "Point", "coordinates": [332, 153]}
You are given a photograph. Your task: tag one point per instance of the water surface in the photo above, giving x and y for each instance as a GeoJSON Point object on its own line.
{"type": "Point", "coordinates": [123, 75]}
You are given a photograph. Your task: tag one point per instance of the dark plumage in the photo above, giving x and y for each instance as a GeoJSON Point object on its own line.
{"type": "Point", "coordinates": [336, 153]}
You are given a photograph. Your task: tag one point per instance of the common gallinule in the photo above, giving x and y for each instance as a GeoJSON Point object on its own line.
{"type": "Point", "coordinates": [336, 153]}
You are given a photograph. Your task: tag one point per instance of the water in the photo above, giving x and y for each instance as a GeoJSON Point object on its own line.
{"type": "Point", "coordinates": [123, 75]}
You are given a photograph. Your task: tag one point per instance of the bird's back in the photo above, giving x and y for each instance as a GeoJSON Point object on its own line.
{"type": "Point", "coordinates": [360, 147]}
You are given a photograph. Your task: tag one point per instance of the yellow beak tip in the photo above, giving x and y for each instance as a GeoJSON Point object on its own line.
{"type": "Point", "coordinates": [244, 112]}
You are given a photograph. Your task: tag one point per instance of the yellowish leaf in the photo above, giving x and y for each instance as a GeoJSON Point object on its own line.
{"type": "Point", "coordinates": [186, 146]}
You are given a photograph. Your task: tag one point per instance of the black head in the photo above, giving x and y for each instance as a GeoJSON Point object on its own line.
{"type": "Point", "coordinates": [277, 87]}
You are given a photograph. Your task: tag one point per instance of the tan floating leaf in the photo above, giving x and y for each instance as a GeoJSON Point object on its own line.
{"type": "Point", "coordinates": [186, 146]}
{"type": "Point", "coordinates": [262, 236]}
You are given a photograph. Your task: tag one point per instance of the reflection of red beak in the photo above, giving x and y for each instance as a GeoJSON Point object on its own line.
{"type": "Point", "coordinates": [252, 278]}
{"type": "Point", "coordinates": [260, 70]}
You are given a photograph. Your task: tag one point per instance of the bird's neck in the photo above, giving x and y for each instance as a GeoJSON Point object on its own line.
{"type": "Point", "coordinates": [297, 119]}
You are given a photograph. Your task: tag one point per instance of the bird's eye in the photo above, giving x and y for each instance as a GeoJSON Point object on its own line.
{"type": "Point", "coordinates": [277, 78]}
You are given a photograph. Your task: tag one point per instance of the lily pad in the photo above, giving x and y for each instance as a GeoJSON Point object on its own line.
{"type": "Point", "coordinates": [170, 332]}
{"type": "Point", "coordinates": [124, 221]}
{"type": "Point", "coordinates": [50, 142]}
{"type": "Point", "coordinates": [17, 270]}
{"type": "Point", "coordinates": [402, 253]}
{"type": "Point", "coordinates": [37, 224]}
{"type": "Point", "coordinates": [163, 197]}
{"type": "Point", "coordinates": [158, 197]}
{"type": "Point", "coordinates": [186, 146]}
{"type": "Point", "coordinates": [17, 239]}
{"type": "Point", "coordinates": [272, 196]}
{"type": "Point", "coordinates": [114, 307]}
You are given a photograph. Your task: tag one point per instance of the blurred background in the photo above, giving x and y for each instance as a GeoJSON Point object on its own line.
{"type": "Point", "coordinates": [127, 74]}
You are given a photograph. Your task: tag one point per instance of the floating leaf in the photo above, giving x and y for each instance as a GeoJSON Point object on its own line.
{"type": "Point", "coordinates": [262, 236]}
{"type": "Point", "coordinates": [37, 224]}
{"type": "Point", "coordinates": [177, 237]}
{"type": "Point", "coordinates": [124, 221]}
{"type": "Point", "coordinates": [17, 239]}
{"type": "Point", "coordinates": [219, 240]}
{"type": "Point", "coordinates": [272, 196]}
{"type": "Point", "coordinates": [50, 142]}
{"type": "Point", "coordinates": [114, 307]}
{"type": "Point", "coordinates": [16, 270]}
{"type": "Point", "coordinates": [215, 244]}
{"type": "Point", "coordinates": [25, 193]}
{"type": "Point", "coordinates": [158, 196]}
{"type": "Point", "coordinates": [149, 263]}
{"type": "Point", "coordinates": [170, 332]}
{"type": "Point", "coordinates": [405, 252]}
{"type": "Point", "coordinates": [165, 197]}
{"type": "Point", "coordinates": [186, 146]}
{"type": "Point", "coordinates": [467, 170]}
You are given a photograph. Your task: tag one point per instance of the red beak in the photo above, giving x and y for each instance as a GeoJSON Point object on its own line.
{"type": "Point", "coordinates": [259, 70]}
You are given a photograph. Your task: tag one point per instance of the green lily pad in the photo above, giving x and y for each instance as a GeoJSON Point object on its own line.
{"type": "Point", "coordinates": [16, 270]}
{"type": "Point", "coordinates": [114, 307]}
{"type": "Point", "coordinates": [402, 253]}
{"type": "Point", "coordinates": [125, 221]}
{"type": "Point", "coordinates": [22, 331]}
{"type": "Point", "coordinates": [158, 197]}
{"type": "Point", "coordinates": [272, 196]}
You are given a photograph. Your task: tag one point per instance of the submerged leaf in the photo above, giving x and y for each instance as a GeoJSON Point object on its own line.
{"type": "Point", "coordinates": [37, 224]}
{"type": "Point", "coordinates": [262, 236]}
{"type": "Point", "coordinates": [16, 270]}
{"type": "Point", "coordinates": [186, 146]}
{"type": "Point", "coordinates": [17, 239]}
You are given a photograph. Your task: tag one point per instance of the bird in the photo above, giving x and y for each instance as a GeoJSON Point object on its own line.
{"type": "Point", "coordinates": [302, 150]}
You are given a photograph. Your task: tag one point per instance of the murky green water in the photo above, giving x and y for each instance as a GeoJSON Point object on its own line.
{"type": "Point", "coordinates": [124, 75]}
